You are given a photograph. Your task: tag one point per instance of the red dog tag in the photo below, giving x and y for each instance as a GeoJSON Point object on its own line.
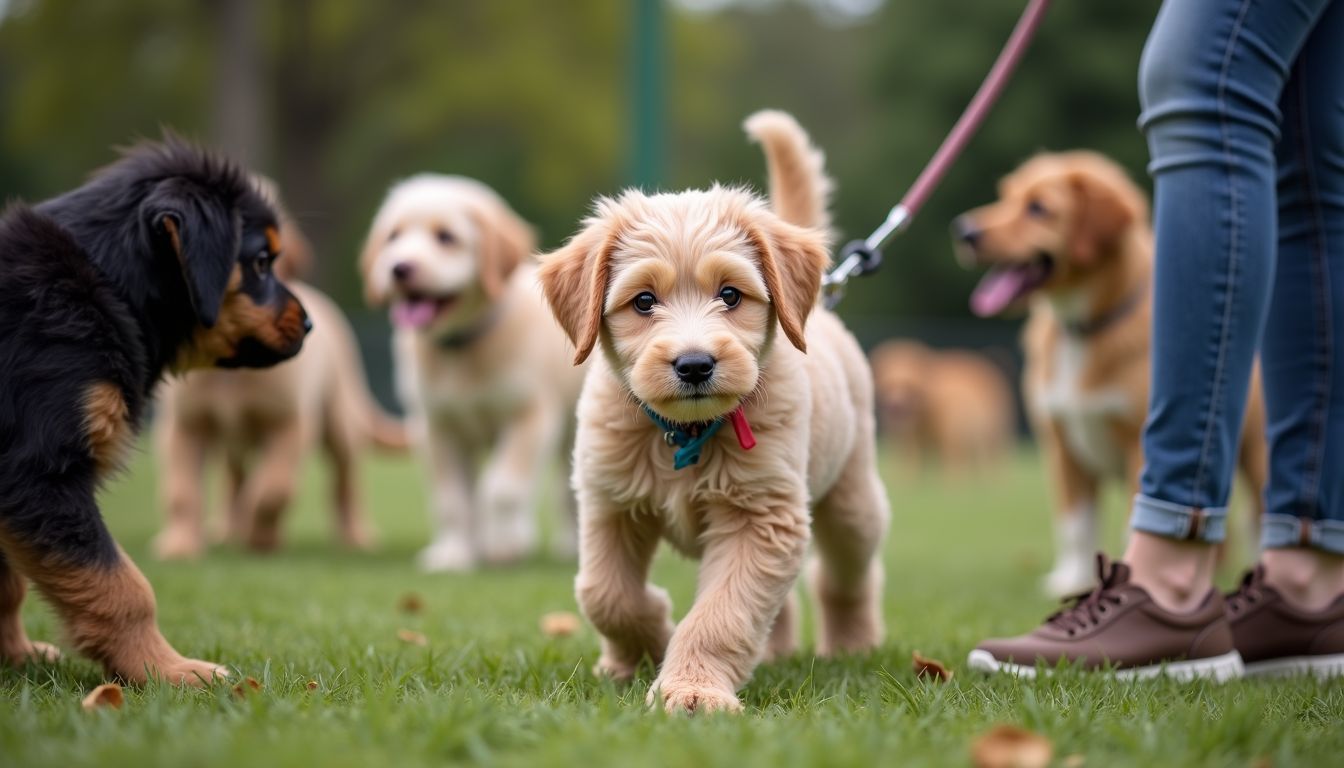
{"type": "Point", "coordinates": [743, 429]}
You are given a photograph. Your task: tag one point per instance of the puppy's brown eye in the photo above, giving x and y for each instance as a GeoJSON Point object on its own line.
{"type": "Point", "coordinates": [393, 235]}
{"type": "Point", "coordinates": [262, 264]}
{"type": "Point", "coordinates": [1036, 210]}
{"type": "Point", "coordinates": [444, 236]}
{"type": "Point", "coordinates": [731, 296]}
{"type": "Point", "coordinates": [644, 303]}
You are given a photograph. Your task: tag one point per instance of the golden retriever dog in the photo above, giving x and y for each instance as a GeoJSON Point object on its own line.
{"type": "Point", "coordinates": [263, 423]}
{"type": "Point", "coordinates": [1070, 235]}
{"type": "Point", "coordinates": [686, 295]}
{"type": "Point", "coordinates": [482, 370]}
{"type": "Point", "coordinates": [953, 405]}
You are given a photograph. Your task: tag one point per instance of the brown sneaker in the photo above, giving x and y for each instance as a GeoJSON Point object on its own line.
{"type": "Point", "coordinates": [1275, 638]}
{"type": "Point", "coordinates": [1118, 626]}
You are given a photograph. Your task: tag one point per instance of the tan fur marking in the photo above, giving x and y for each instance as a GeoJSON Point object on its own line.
{"type": "Point", "coordinates": [109, 615]}
{"type": "Point", "coordinates": [106, 425]}
{"type": "Point", "coordinates": [239, 318]}
{"type": "Point", "coordinates": [170, 225]}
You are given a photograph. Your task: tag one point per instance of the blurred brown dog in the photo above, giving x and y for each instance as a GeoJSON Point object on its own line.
{"type": "Point", "coordinates": [953, 405]}
{"type": "Point", "coordinates": [264, 422]}
{"type": "Point", "coordinates": [1071, 231]}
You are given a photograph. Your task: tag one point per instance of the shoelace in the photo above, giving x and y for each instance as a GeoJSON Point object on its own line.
{"type": "Point", "coordinates": [1087, 608]}
{"type": "Point", "coordinates": [1248, 592]}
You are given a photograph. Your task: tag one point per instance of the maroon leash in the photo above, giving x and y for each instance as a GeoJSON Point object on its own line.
{"type": "Point", "coordinates": [861, 257]}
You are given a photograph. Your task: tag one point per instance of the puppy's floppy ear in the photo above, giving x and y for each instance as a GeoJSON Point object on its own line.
{"type": "Point", "coordinates": [1106, 208]}
{"type": "Point", "coordinates": [201, 233]}
{"type": "Point", "coordinates": [505, 242]}
{"type": "Point", "coordinates": [792, 262]}
{"type": "Point", "coordinates": [574, 279]}
{"type": "Point", "coordinates": [373, 244]}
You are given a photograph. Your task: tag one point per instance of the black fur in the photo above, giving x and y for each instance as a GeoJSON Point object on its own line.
{"type": "Point", "coordinates": [93, 290]}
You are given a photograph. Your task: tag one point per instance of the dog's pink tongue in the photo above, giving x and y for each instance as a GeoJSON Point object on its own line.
{"type": "Point", "coordinates": [997, 289]}
{"type": "Point", "coordinates": [413, 313]}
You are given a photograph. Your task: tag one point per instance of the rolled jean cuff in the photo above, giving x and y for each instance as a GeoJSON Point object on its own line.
{"type": "Point", "coordinates": [1284, 531]}
{"type": "Point", "coordinates": [1177, 521]}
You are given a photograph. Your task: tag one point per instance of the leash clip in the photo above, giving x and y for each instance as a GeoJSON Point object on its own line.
{"type": "Point", "coordinates": [862, 257]}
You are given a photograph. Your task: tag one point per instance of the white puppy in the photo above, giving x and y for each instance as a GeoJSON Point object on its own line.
{"type": "Point", "coordinates": [482, 370]}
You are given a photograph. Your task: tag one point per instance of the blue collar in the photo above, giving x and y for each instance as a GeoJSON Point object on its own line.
{"type": "Point", "coordinates": [688, 442]}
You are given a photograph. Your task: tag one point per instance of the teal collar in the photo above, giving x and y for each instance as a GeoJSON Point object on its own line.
{"type": "Point", "coordinates": [688, 439]}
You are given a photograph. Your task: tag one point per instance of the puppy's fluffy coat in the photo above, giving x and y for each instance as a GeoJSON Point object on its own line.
{"type": "Point", "coordinates": [748, 515]}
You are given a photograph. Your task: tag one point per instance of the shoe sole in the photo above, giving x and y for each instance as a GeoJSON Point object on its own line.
{"type": "Point", "coordinates": [1323, 667]}
{"type": "Point", "coordinates": [1216, 668]}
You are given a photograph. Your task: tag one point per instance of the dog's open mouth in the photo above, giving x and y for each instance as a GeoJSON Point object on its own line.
{"type": "Point", "coordinates": [1005, 284]}
{"type": "Point", "coordinates": [417, 310]}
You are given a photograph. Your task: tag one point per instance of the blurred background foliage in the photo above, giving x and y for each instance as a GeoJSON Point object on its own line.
{"type": "Point", "coordinates": [337, 99]}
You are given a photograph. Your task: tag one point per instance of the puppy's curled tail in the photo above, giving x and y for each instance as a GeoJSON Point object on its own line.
{"type": "Point", "coordinates": [799, 187]}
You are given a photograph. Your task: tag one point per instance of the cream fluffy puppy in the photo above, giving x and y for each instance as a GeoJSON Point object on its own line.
{"type": "Point", "coordinates": [686, 294]}
{"type": "Point", "coordinates": [481, 368]}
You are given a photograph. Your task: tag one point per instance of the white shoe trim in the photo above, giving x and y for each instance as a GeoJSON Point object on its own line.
{"type": "Point", "coordinates": [1323, 667]}
{"type": "Point", "coordinates": [1217, 668]}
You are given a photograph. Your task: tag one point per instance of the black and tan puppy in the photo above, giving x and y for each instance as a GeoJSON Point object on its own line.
{"type": "Point", "coordinates": [161, 262]}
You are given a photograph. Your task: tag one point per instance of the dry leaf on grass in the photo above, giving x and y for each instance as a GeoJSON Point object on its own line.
{"type": "Point", "coordinates": [411, 637]}
{"type": "Point", "coordinates": [1007, 746]}
{"type": "Point", "coordinates": [411, 603]}
{"type": "Point", "coordinates": [312, 685]}
{"type": "Point", "coordinates": [105, 695]}
{"type": "Point", "coordinates": [248, 685]}
{"type": "Point", "coordinates": [559, 624]}
{"type": "Point", "coordinates": [1074, 761]}
{"type": "Point", "coordinates": [930, 669]}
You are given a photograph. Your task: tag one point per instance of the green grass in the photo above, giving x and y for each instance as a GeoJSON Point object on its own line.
{"type": "Point", "coordinates": [963, 562]}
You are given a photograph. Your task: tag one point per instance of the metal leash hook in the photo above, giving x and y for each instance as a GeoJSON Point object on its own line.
{"type": "Point", "coordinates": [861, 257]}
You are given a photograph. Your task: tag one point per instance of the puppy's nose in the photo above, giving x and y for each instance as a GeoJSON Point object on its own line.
{"type": "Point", "coordinates": [964, 230]}
{"type": "Point", "coordinates": [402, 271]}
{"type": "Point", "coordinates": [694, 368]}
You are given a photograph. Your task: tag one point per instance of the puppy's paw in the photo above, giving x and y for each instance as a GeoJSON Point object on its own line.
{"type": "Point", "coordinates": [447, 555]}
{"type": "Point", "coordinates": [508, 530]}
{"type": "Point", "coordinates": [507, 542]}
{"type": "Point", "coordinates": [692, 696]}
{"type": "Point", "coordinates": [30, 652]}
{"type": "Point", "coordinates": [358, 537]}
{"type": "Point", "coordinates": [178, 542]}
{"type": "Point", "coordinates": [614, 669]}
{"type": "Point", "coordinates": [175, 671]}
{"type": "Point", "coordinates": [194, 673]}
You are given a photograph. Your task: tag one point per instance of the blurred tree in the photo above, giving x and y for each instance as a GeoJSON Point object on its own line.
{"type": "Point", "coordinates": [337, 99]}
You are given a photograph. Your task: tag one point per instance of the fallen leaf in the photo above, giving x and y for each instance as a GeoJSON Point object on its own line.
{"type": "Point", "coordinates": [312, 685]}
{"type": "Point", "coordinates": [248, 685]}
{"type": "Point", "coordinates": [1008, 746]}
{"type": "Point", "coordinates": [105, 695]}
{"type": "Point", "coordinates": [1262, 761]}
{"type": "Point", "coordinates": [1074, 761]}
{"type": "Point", "coordinates": [411, 603]}
{"type": "Point", "coordinates": [411, 637]}
{"type": "Point", "coordinates": [930, 668]}
{"type": "Point", "coordinates": [559, 624]}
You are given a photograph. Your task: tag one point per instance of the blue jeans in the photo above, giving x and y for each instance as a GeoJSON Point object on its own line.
{"type": "Point", "coordinates": [1243, 110]}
